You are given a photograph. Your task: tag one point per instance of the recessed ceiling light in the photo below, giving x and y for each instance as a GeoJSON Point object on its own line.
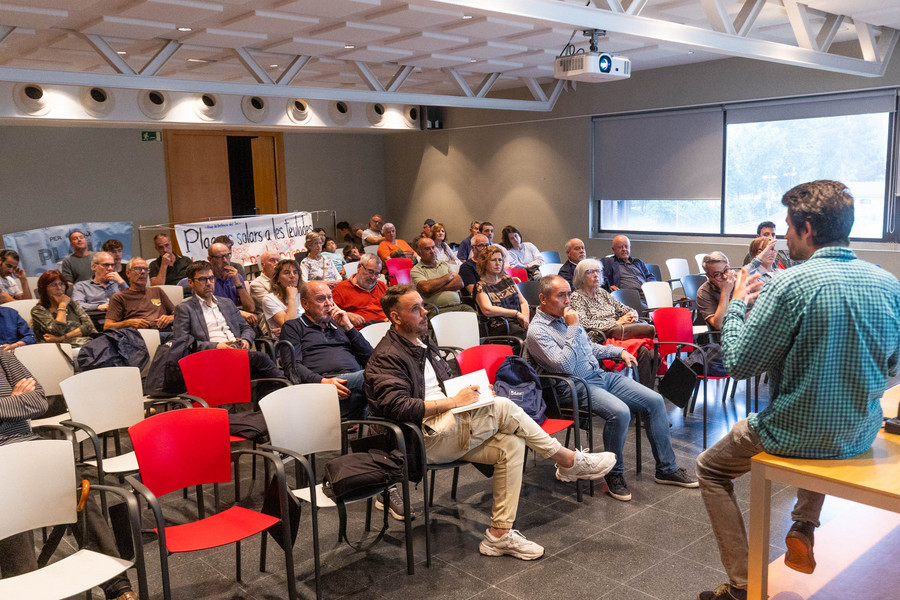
{"type": "Point", "coordinates": [273, 66]}
{"type": "Point", "coordinates": [471, 60]}
{"type": "Point", "coordinates": [466, 17]}
{"type": "Point", "coordinates": [121, 52]}
{"type": "Point", "coordinates": [349, 46]}
{"type": "Point", "coordinates": [690, 51]}
{"type": "Point", "coordinates": [185, 29]}
{"type": "Point", "coordinates": [197, 60]}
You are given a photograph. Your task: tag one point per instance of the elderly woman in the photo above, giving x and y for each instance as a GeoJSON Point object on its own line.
{"type": "Point", "coordinates": [56, 317]}
{"type": "Point", "coordinates": [498, 297]}
{"type": "Point", "coordinates": [763, 252]}
{"type": "Point", "coordinates": [521, 254]}
{"type": "Point", "coordinates": [442, 250]}
{"type": "Point", "coordinates": [316, 266]}
{"type": "Point", "coordinates": [604, 317]}
{"type": "Point", "coordinates": [283, 302]}
{"type": "Point", "coordinates": [392, 246]}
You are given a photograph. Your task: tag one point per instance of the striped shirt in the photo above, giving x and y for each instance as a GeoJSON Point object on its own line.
{"type": "Point", "coordinates": [562, 348]}
{"type": "Point", "coordinates": [15, 411]}
{"type": "Point", "coordinates": [828, 334]}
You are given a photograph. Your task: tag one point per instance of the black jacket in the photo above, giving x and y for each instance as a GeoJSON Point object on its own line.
{"type": "Point", "coordinates": [395, 377]}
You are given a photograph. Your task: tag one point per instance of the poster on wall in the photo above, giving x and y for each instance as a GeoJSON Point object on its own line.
{"type": "Point", "coordinates": [43, 249]}
{"type": "Point", "coordinates": [284, 234]}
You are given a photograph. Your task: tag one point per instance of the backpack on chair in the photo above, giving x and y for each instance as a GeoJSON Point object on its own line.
{"type": "Point", "coordinates": [518, 381]}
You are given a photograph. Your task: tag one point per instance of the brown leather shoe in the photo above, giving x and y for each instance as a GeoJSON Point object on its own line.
{"type": "Point", "coordinates": [799, 541]}
{"type": "Point", "coordinates": [129, 595]}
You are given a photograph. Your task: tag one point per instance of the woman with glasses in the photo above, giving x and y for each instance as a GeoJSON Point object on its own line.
{"type": "Point", "coordinates": [283, 302]}
{"type": "Point", "coordinates": [498, 297]}
{"type": "Point", "coordinates": [57, 318]}
{"type": "Point", "coordinates": [316, 266]}
{"type": "Point", "coordinates": [442, 250]}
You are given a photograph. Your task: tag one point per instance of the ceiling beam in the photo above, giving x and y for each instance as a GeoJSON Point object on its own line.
{"type": "Point", "coordinates": [368, 76]}
{"type": "Point", "coordinates": [256, 71]}
{"type": "Point", "coordinates": [746, 18]}
{"type": "Point", "coordinates": [460, 83]}
{"type": "Point", "coordinates": [160, 58]}
{"type": "Point", "coordinates": [399, 77]}
{"type": "Point", "coordinates": [5, 30]}
{"type": "Point", "coordinates": [717, 15]}
{"type": "Point", "coordinates": [109, 55]}
{"type": "Point", "coordinates": [829, 29]}
{"type": "Point", "coordinates": [290, 72]}
{"type": "Point", "coordinates": [486, 84]}
{"type": "Point", "coordinates": [566, 15]}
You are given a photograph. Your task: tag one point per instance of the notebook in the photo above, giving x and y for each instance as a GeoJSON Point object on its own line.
{"type": "Point", "coordinates": [479, 378]}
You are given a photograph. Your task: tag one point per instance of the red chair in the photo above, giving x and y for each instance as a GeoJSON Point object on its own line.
{"type": "Point", "coordinates": [393, 265]}
{"type": "Point", "coordinates": [402, 276]}
{"type": "Point", "coordinates": [184, 448]}
{"type": "Point", "coordinates": [517, 273]}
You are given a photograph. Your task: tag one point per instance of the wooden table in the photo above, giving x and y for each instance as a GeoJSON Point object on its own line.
{"type": "Point", "coordinates": [872, 478]}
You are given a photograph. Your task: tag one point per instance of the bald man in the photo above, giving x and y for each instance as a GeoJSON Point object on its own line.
{"type": "Point", "coordinates": [623, 271]}
{"type": "Point", "coordinates": [574, 255]}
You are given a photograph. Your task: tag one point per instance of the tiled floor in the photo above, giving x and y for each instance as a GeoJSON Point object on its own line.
{"type": "Point", "coordinates": [657, 546]}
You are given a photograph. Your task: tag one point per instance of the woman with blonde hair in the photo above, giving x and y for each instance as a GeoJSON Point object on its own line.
{"type": "Point", "coordinates": [441, 248]}
{"type": "Point", "coordinates": [498, 297]}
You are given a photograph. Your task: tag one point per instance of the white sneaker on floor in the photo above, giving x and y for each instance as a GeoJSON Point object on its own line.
{"type": "Point", "coordinates": [512, 543]}
{"type": "Point", "coordinates": [587, 466]}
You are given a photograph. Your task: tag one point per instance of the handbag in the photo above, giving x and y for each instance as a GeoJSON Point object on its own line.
{"type": "Point", "coordinates": [361, 474]}
{"type": "Point", "coordinates": [677, 385]}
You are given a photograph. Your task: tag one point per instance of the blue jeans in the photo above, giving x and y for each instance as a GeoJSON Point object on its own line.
{"type": "Point", "coordinates": [614, 397]}
{"type": "Point", "coordinates": [353, 406]}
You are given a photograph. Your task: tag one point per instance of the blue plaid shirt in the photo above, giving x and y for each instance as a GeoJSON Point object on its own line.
{"type": "Point", "coordinates": [828, 334]}
{"type": "Point", "coordinates": [562, 348]}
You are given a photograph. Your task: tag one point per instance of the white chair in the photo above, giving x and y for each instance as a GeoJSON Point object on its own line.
{"type": "Point", "coordinates": [374, 332]}
{"type": "Point", "coordinates": [456, 329]}
{"type": "Point", "coordinates": [32, 284]}
{"type": "Point", "coordinates": [48, 366]}
{"type": "Point", "coordinates": [39, 490]}
{"type": "Point", "coordinates": [174, 292]}
{"type": "Point", "coordinates": [371, 249]}
{"type": "Point", "coordinates": [678, 268]}
{"type": "Point", "coordinates": [151, 340]}
{"type": "Point", "coordinates": [350, 268]}
{"type": "Point", "coordinates": [23, 307]}
{"type": "Point", "coordinates": [658, 294]}
{"type": "Point", "coordinates": [699, 258]}
{"type": "Point", "coordinates": [549, 269]}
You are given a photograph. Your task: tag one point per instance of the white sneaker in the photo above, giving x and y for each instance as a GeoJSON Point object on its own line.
{"type": "Point", "coordinates": [512, 543]}
{"type": "Point", "coordinates": [587, 466]}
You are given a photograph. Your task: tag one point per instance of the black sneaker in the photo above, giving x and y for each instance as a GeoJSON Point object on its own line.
{"type": "Point", "coordinates": [617, 488]}
{"type": "Point", "coordinates": [724, 592]}
{"type": "Point", "coordinates": [396, 504]}
{"type": "Point", "coordinates": [799, 542]}
{"type": "Point", "coordinates": [677, 477]}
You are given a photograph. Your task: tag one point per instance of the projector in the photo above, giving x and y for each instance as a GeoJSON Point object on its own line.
{"type": "Point", "coordinates": [591, 67]}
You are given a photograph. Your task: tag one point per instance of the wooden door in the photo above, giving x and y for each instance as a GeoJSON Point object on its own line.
{"type": "Point", "coordinates": [197, 175]}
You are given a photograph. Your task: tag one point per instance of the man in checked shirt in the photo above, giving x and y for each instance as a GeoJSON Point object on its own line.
{"type": "Point", "coordinates": [828, 352]}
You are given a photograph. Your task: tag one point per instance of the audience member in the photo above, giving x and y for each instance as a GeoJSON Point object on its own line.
{"type": "Point", "coordinates": [360, 295]}
{"type": "Point", "coordinates": [713, 296]}
{"type": "Point", "coordinates": [372, 236]}
{"type": "Point", "coordinates": [216, 322]}
{"type": "Point", "coordinates": [392, 246]}
{"type": "Point", "coordinates": [763, 263]}
{"type": "Point", "coordinates": [23, 399]}
{"type": "Point", "coordinates": [426, 231]}
{"type": "Point", "coordinates": [283, 302]}
{"type": "Point", "coordinates": [57, 318]}
{"type": "Point", "coordinates": [347, 234]}
{"type": "Point", "coordinates": [328, 349]}
{"type": "Point", "coordinates": [77, 266]}
{"type": "Point", "coordinates": [114, 247]}
{"type": "Point", "coordinates": [521, 254]}
{"type": "Point", "coordinates": [436, 282]}
{"type": "Point", "coordinates": [351, 253]}
{"type": "Point", "coordinates": [316, 266]}
{"type": "Point", "coordinates": [498, 297]}
{"type": "Point", "coordinates": [14, 330]}
{"type": "Point", "coordinates": [465, 246]}
{"type": "Point", "coordinates": [224, 239]}
{"type": "Point", "coordinates": [828, 354]}
{"type": "Point", "coordinates": [13, 281]}
{"type": "Point", "coordinates": [574, 255]}
{"type": "Point", "coordinates": [139, 306]}
{"type": "Point", "coordinates": [330, 250]}
{"type": "Point", "coordinates": [558, 343]}
{"type": "Point", "coordinates": [404, 383]}
{"type": "Point", "coordinates": [603, 317]}
{"type": "Point", "coordinates": [167, 268]}
{"type": "Point", "coordinates": [262, 284]}
{"type": "Point", "coordinates": [468, 272]}
{"type": "Point", "coordinates": [229, 282]}
{"type": "Point", "coordinates": [442, 249]}
{"type": "Point", "coordinates": [766, 229]}
{"type": "Point", "coordinates": [621, 271]}
{"type": "Point", "coordinates": [94, 293]}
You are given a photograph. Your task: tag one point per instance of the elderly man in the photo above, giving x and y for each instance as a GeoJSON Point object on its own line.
{"type": "Point", "coordinates": [167, 268]}
{"type": "Point", "coordinates": [828, 354]}
{"type": "Point", "coordinates": [574, 255]}
{"type": "Point", "coordinates": [713, 296]}
{"type": "Point", "coordinates": [391, 246]}
{"type": "Point", "coordinates": [372, 236]}
{"type": "Point", "coordinates": [403, 383]}
{"type": "Point", "coordinates": [77, 266]}
{"type": "Point", "coordinates": [216, 322]}
{"type": "Point", "coordinates": [328, 349]}
{"type": "Point", "coordinates": [13, 282]}
{"type": "Point", "coordinates": [139, 306]}
{"type": "Point", "coordinates": [94, 294]}
{"type": "Point", "coordinates": [361, 295]}
{"type": "Point", "coordinates": [465, 246]}
{"type": "Point", "coordinates": [557, 342]}
{"type": "Point", "coordinates": [438, 284]}
{"type": "Point", "coordinates": [262, 285]}
{"type": "Point", "coordinates": [467, 271]}
{"type": "Point", "coordinates": [623, 271]}
{"type": "Point", "coordinates": [229, 283]}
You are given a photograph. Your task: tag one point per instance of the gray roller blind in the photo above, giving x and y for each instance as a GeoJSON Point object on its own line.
{"type": "Point", "coordinates": [832, 105]}
{"type": "Point", "coordinates": [672, 155]}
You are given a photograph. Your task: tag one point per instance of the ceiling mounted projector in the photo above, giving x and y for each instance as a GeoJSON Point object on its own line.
{"type": "Point", "coordinates": [591, 67]}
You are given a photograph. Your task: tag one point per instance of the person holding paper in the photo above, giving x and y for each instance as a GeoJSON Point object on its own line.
{"type": "Point", "coordinates": [404, 382]}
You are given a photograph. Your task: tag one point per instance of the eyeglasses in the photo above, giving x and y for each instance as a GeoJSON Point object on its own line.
{"type": "Point", "coordinates": [108, 265]}
{"type": "Point", "coordinates": [222, 256]}
{"type": "Point", "coordinates": [719, 275]}
{"type": "Point", "coordinates": [480, 245]}
{"type": "Point", "coordinates": [204, 279]}
{"type": "Point", "coordinates": [140, 269]}
{"type": "Point", "coordinates": [592, 272]}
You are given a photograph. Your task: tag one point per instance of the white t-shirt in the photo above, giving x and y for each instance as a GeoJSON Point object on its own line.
{"type": "Point", "coordinates": [10, 284]}
{"type": "Point", "coordinates": [272, 305]}
{"type": "Point", "coordinates": [433, 389]}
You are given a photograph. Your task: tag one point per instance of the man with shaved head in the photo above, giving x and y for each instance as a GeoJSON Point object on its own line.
{"type": "Point", "coordinates": [621, 271]}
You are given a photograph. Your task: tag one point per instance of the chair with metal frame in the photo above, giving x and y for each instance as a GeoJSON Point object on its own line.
{"type": "Point", "coordinates": [395, 265]}
{"type": "Point", "coordinates": [654, 270]}
{"type": "Point", "coordinates": [549, 268]}
{"type": "Point", "coordinates": [192, 448]}
{"type": "Point", "coordinates": [551, 256]}
{"type": "Point", "coordinates": [631, 299]}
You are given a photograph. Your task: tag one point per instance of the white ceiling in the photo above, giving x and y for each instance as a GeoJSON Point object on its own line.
{"type": "Point", "coordinates": [363, 44]}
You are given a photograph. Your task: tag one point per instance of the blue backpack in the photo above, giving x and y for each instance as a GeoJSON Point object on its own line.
{"type": "Point", "coordinates": [518, 381]}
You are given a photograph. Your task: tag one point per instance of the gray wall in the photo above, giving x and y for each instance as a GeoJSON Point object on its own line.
{"type": "Point", "coordinates": [533, 170]}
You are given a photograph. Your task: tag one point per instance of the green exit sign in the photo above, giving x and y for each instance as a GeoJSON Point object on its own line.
{"type": "Point", "coordinates": [151, 136]}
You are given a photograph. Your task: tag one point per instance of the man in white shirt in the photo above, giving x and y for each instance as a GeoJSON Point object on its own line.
{"type": "Point", "coordinates": [372, 236]}
{"type": "Point", "coordinates": [13, 282]}
{"type": "Point", "coordinates": [262, 285]}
